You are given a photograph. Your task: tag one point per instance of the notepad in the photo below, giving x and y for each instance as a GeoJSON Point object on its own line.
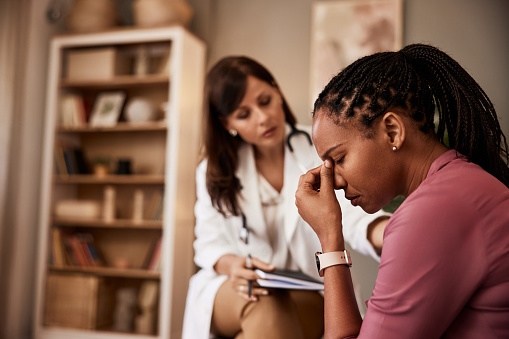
{"type": "Point", "coordinates": [288, 279]}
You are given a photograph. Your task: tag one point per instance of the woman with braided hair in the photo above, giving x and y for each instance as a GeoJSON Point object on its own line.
{"type": "Point", "coordinates": [381, 126]}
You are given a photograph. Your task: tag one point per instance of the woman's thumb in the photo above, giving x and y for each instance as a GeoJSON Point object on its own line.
{"type": "Point", "coordinates": [257, 263]}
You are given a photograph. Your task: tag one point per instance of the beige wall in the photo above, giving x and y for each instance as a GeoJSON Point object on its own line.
{"type": "Point", "coordinates": [277, 33]}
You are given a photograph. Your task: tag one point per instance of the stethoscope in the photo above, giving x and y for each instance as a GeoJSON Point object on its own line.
{"type": "Point", "coordinates": [296, 131]}
{"type": "Point", "coordinates": [244, 231]}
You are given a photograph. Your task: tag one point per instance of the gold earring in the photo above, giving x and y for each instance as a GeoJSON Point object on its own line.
{"type": "Point", "coordinates": [233, 132]}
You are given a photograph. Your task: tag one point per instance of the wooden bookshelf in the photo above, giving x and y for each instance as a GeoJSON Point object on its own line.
{"type": "Point", "coordinates": [108, 252]}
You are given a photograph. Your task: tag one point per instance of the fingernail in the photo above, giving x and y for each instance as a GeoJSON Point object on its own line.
{"type": "Point", "coordinates": [328, 163]}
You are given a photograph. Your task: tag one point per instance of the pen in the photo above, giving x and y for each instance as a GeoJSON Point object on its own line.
{"type": "Point", "coordinates": [249, 265]}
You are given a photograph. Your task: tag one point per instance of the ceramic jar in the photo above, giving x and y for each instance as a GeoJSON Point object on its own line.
{"type": "Point", "coordinates": [92, 16]}
{"type": "Point", "coordinates": [151, 13]}
{"type": "Point", "coordinates": [139, 109]}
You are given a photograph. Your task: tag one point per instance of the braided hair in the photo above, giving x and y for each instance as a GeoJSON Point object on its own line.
{"type": "Point", "coordinates": [225, 87]}
{"type": "Point", "coordinates": [423, 81]}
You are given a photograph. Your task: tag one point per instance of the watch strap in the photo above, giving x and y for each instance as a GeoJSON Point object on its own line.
{"type": "Point", "coordinates": [333, 258]}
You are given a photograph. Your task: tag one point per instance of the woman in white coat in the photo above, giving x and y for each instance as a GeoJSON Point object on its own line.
{"type": "Point", "coordinates": [254, 156]}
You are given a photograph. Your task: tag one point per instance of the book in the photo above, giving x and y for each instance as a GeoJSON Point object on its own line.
{"type": "Point", "coordinates": [92, 249]}
{"type": "Point", "coordinates": [78, 251]}
{"type": "Point", "coordinates": [155, 261]}
{"type": "Point", "coordinates": [71, 258]}
{"type": "Point", "coordinates": [79, 160]}
{"type": "Point", "coordinates": [58, 254]}
{"type": "Point", "coordinates": [288, 279]}
{"type": "Point", "coordinates": [150, 253]}
{"type": "Point", "coordinates": [154, 207]}
{"type": "Point", "coordinates": [73, 111]}
{"type": "Point", "coordinates": [87, 244]}
{"type": "Point", "coordinates": [61, 167]}
{"type": "Point", "coordinates": [70, 162]}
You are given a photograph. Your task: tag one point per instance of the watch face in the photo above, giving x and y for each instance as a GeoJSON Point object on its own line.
{"type": "Point", "coordinates": [317, 261]}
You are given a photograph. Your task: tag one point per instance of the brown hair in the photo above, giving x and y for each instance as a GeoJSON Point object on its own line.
{"type": "Point", "coordinates": [225, 87]}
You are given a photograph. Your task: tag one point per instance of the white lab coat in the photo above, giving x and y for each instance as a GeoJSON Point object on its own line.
{"type": "Point", "coordinates": [217, 236]}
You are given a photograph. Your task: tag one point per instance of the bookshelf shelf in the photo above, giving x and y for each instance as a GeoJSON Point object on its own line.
{"type": "Point", "coordinates": [110, 179]}
{"type": "Point", "coordinates": [117, 223]}
{"type": "Point", "coordinates": [117, 82]}
{"type": "Point", "coordinates": [120, 127]}
{"type": "Point", "coordinates": [111, 272]}
{"type": "Point", "coordinates": [106, 233]}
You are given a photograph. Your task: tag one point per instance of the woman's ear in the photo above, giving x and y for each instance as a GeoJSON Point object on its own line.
{"type": "Point", "coordinates": [224, 123]}
{"type": "Point", "coordinates": [394, 130]}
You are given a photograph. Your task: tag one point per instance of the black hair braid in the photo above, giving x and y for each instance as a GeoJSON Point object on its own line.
{"type": "Point", "coordinates": [371, 85]}
{"type": "Point", "coordinates": [469, 115]}
{"type": "Point", "coordinates": [422, 80]}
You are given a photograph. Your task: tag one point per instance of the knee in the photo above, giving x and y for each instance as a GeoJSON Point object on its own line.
{"type": "Point", "coordinates": [270, 307]}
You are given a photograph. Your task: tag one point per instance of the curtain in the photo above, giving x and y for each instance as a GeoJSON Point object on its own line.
{"type": "Point", "coordinates": [13, 31]}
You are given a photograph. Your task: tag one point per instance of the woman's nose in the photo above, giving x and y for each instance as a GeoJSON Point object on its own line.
{"type": "Point", "coordinates": [339, 182]}
{"type": "Point", "coordinates": [263, 116]}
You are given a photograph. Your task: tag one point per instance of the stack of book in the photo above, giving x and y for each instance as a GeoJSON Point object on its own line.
{"type": "Point", "coordinates": [153, 259]}
{"type": "Point", "coordinates": [74, 249]}
{"type": "Point", "coordinates": [73, 112]}
{"type": "Point", "coordinates": [70, 160]}
{"type": "Point", "coordinates": [154, 210]}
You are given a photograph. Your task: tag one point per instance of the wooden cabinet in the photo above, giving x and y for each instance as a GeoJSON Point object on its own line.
{"type": "Point", "coordinates": [102, 228]}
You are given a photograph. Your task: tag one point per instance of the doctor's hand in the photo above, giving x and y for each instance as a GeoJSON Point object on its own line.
{"type": "Point", "coordinates": [317, 204]}
{"type": "Point", "coordinates": [239, 274]}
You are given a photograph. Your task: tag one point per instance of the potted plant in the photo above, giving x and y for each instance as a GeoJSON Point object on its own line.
{"type": "Point", "coordinates": [102, 165]}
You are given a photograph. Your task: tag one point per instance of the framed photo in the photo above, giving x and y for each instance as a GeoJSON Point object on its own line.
{"type": "Point", "coordinates": [107, 108]}
{"type": "Point", "coordinates": [343, 31]}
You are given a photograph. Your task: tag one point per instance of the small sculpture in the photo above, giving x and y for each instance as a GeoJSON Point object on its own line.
{"type": "Point", "coordinates": [109, 203]}
{"type": "Point", "coordinates": [147, 301]}
{"type": "Point", "coordinates": [125, 308]}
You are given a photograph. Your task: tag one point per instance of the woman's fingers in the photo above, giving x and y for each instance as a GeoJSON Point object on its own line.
{"type": "Point", "coordinates": [311, 179]}
{"type": "Point", "coordinates": [257, 263]}
{"type": "Point", "coordinates": [317, 203]}
{"type": "Point", "coordinates": [243, 291]}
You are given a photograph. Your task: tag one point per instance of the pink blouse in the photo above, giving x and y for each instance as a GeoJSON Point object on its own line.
{"type": "Point", "coordinates": [444, 271]}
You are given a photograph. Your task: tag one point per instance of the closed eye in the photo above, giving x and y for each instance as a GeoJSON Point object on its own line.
{"type": "Point", "coordinates": [242, 114]}
{"type": "Point", "coordinates": [339, 161]}
{"type": "Point", "coordinates": [264, 101]}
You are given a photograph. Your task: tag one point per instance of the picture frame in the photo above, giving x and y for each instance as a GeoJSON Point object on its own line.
{"type": "Point", "coordinates": [107, 108]}
{"type": "Point", "coordinates": [343, 31]}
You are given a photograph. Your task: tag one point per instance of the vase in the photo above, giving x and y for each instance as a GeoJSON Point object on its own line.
{"type": "Point", "coordinates": [92, 16]}
{"type": "Point", "coordinates": [139, 109]}
{"type": "Point", "coordinates": [152, 13]}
